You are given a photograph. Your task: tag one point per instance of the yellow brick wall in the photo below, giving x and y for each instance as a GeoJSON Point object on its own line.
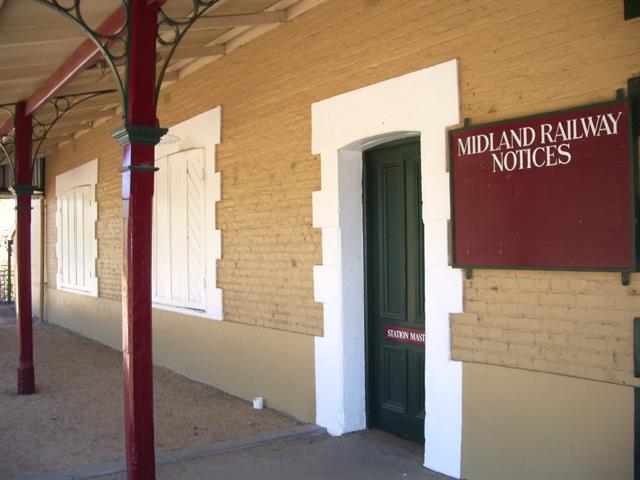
{"type": "Point", "coordinates": [515, 58]}
{"type": "Point", "coordinates": [571, 323]}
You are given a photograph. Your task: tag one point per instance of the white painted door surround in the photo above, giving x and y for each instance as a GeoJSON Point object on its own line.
{"type": "Point", "coordinates": [421, 103]}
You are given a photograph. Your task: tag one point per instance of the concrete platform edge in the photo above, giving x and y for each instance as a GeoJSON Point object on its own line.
{"type": "Point", "coordinates": [92, 471]}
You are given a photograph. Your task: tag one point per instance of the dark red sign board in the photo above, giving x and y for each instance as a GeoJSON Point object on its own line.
{"type": "Point", "coordinates": [411, 336]}
{"type": "Point", "coordinates": [551, 191]}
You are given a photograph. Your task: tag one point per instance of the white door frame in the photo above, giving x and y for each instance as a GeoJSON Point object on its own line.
{"type": "Point", "coordinates": [421, 103]}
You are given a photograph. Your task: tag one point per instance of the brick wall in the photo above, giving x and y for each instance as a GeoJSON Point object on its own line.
{"type": "Point", "coordinates": [515, 58]}
{"type": "Point", "coordinates": [571, 323]}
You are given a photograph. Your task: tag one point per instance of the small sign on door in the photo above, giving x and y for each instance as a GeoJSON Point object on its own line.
{"type": "Point", "coordinates": [411, 336]}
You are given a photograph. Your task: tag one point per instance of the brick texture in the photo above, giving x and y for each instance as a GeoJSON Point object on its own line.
{"type": "Point", "coordinates": [570, 323]}
{"type": "Point", "coordinates": [515, 58]}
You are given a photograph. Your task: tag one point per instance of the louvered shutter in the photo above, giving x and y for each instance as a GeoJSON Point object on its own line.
{"type": "Point", "coordinates": [194, 160]}
{"type": "Point", "coordinates": [76, 223]}
{"type": "Point", "coordinates": [178, 232]}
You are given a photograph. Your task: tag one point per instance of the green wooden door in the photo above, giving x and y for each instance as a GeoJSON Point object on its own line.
{"type": "Point", "coordinates": [395, 289]}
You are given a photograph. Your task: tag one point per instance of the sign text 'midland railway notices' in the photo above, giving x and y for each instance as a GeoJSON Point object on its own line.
{"type": "Point", "coordinates": [550, 191]}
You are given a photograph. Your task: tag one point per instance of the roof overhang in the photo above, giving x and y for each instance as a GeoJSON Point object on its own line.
{"type": "Point", "coordinates": [43, 55]}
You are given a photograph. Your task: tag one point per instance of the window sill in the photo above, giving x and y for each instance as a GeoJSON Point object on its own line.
{"type": "Point", "coordinates": [86, 293]}
{"type": "Point", "coordinates": [193, 312]}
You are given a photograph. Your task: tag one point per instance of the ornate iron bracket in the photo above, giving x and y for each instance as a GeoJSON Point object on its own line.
{"type": "Point", "coordinates": [172, 30]}
{"type": "Point", "coordinates": [61, 105]}
{"type": "Point", "coordinates": [42, 125]}
{"type": "Point", "coordinates": [115, 46]}
{"type": "Point", "coordinates": [7, 142]}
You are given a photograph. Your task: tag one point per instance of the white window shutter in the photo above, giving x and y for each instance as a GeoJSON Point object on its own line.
{"type": "Point", "coordinates": [178, 228]}
{"type": "Point", "coordinates": [64, 223]}
{"type": "Point", "coordinates": [72, 238]}
{"type": "Point", "coordinates": [179, 260]}
{"type": "Point", "coordinates": [79, 214]}
{"type": "Point", "coordinates": [195, 226]}
{"type": "Point", "coordinates": [76, 216]}
{"type": "Point", "coordinates": [88, 232]}
{"type": "Point", "coordinates": [186, 244]}
{"type": "Point", "coordinates": [161, 232]}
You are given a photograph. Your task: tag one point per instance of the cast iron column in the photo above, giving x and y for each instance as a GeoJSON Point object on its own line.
{"type": "Point", "coordinates": [139, 135]}
{"type": "Point", "coordinates": [23, 189]}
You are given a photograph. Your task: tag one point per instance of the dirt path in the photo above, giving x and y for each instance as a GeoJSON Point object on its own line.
{"type": "Point", "coordinates": [76, 417]}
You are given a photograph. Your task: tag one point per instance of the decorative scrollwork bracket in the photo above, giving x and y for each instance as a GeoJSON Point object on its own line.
{"type": "Point", "coordinates": [110, 37]}
{"type": "Point", "coordinates": [113, 38]}
{"type": "Point", "coordinates": [7, 141]}
{"type": "Point", "coordinates": [172, 30]}
{"type": "Point", "coordinates": [61, 105]}
{"type": "Point", "coordinates": [41, 124]}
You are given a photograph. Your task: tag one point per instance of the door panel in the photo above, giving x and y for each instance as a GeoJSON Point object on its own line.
{"type": "Point", "coordinates": [392, 282]}
{"type": "Point", "coordinates": [395, 289]}
{"type": "Point", "coordinates": [394, 388]}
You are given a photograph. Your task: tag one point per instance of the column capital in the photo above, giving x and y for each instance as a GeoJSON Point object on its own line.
{"type": "Point", "coordinates": [23, 189]}
{"type": "Point", "coordinates": [138, 134]}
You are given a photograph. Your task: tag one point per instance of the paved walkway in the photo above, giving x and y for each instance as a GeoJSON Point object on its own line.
{"type": "Point", "coordinates": [309, 455]}
{"type": "Point", "coordinates": [7, 314]}
{"type": "Point", "coordinates": [369, 455]}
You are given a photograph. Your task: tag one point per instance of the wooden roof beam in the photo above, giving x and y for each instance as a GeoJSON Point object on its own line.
{"type": "Point", "coordinates": [243, 20]}
{"type": "Point", "coordinates": [86, 116]}
{"type": "Point", "coordinates": [83, 57]}
{"type": "Point", "coordinates": [188, 53]}
{"type": "Point", "coordinates": [86, 88]}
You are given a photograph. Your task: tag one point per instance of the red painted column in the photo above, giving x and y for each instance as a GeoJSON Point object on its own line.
{"type": "Point", "coordinates": [23, 131]}
{"type": "Point", "coordinates": [139, 136]}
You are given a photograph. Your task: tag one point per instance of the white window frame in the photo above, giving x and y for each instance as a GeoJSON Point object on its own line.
{"type": "Point", "coordinates": [201, 132]}
{"type": "Point", "coordinates": [84, 175]}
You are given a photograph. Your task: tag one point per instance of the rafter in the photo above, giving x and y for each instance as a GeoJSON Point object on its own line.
{"type": "Point", "coordinates": [83, 88]}
{"type": "Point", "coordinates": [25, 73]}
{"type": "Point", "coordinates": [188, 53]}
{"type": "Point", "coordinates": [76, 117]}
{"type": "Point", "coordinates": [244, 20]}
{"type": "Point", "coordinates": [85, 55]}
{"type": "Point", "coordinates": [25, 36]}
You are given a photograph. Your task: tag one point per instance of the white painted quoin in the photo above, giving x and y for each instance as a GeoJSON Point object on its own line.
{"type": "Point", "coordinates": [186, 243]}
{"type": "Point", "coordinates": [424, 104]}
{"type": "Point", "coordinates": [76, 217]}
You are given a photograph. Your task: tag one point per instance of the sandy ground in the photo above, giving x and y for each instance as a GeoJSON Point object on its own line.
{"type": "Point", "coordinates": [76, 416]}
